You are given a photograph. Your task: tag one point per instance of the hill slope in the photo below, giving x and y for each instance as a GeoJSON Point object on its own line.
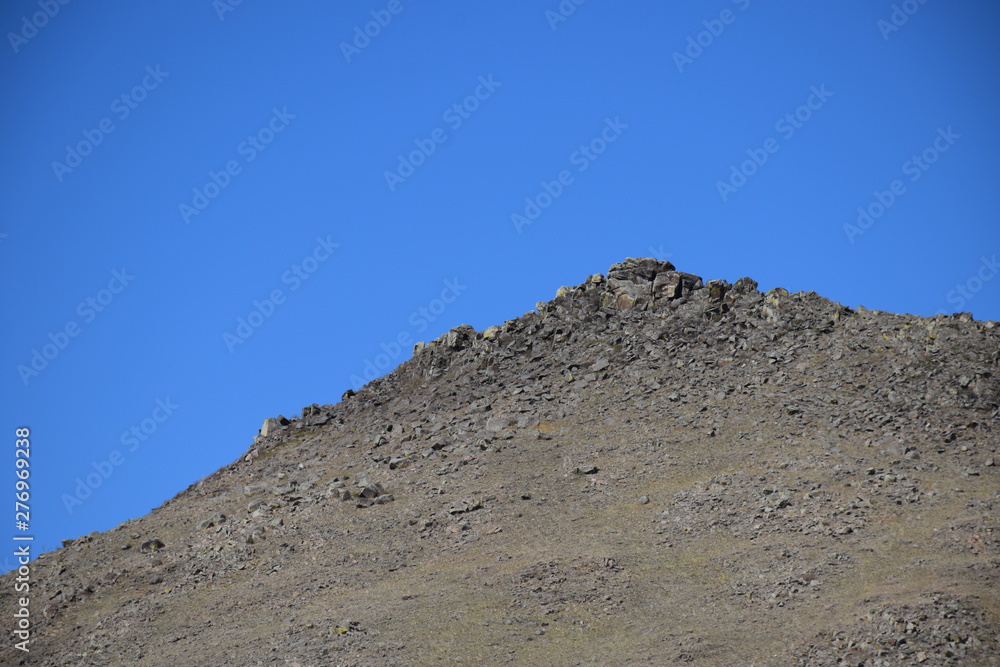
{"type": "Point", "coordinates": [647, 470]}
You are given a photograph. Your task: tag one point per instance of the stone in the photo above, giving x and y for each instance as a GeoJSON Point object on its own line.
{"type": "Point", "coordinates": [372, 491]}
{"type": "Point", "coordinates": [717, 290]}
{"type": "Point", "coordinates": [633, 284]}
{"type": "Point", "coordinates": [251, 489]}
{"type": "Point", "coordinates": [645, 268]}
{"type": "Point", "coordinates": [254, 505]}
{"type": "Point", "coordinates": [150, 546]}
{"type": "Point", "coordinates": [213, 520]}
{"type": "Point", "coordinates": [398, 462]}
{"type": "Point", "coordinates": [269, 427]}
{"type": "Point", "coordinates": [460, 337]}
{"type": "Point", "coordinates": [465, 506]}
{"type": "Point", "coordinates": [744, 285]}
{"type": "Point", "coordinates": [672, 285]}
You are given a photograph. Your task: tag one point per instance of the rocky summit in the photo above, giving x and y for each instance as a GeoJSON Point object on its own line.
{"type": "Point", "coordinates": [649, 469]}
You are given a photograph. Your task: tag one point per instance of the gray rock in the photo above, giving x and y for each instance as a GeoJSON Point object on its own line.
{"type": "Point", "coordinates": [251, 489]}
{"type": "Point", "coordinates": [270, 426]}
{"type": "Point", "coordinates": [254, 505]}
{"type": "Point", "coordinates": [213, 520]}
{"type": "Point", "coordinates": [372, 491]}
{"type": "Point", "coordinates": [151, 545]}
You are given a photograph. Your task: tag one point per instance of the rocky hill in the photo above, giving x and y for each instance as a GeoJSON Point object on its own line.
{"type": "Point", "coordinates": [649, 469]}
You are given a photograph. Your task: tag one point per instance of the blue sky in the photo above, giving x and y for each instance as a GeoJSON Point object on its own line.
{"type": "Point", "coordinates": [214, 213]}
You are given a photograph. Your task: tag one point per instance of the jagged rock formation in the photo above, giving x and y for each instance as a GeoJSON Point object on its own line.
{"type": "Point", "coordinates": [648, 469]}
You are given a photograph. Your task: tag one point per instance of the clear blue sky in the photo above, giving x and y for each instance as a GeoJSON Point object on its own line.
{"type": "Point", "coordinates": [169, 168]}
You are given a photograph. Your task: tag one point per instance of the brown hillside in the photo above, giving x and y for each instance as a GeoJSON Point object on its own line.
{"type": "Point", "coordinates": [648, 470]}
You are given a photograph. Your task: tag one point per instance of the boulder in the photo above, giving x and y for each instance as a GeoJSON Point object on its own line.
{"type": "Point", "coordinates": [269, 427]}
{"type": "Point", "coordinates": [151, 545]}
{"type": "Point", "coordinates": [675, 284]}
{"type": "Point", "coordinates": [213, 520]}
{"type": "Point", "coordinates": [272, 424]}
{"type": "Point", "coordinates": [636, 284]}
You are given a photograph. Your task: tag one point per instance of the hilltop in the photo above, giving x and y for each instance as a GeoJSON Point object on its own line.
{"type": "Point", "coordinates": [647, 469]}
